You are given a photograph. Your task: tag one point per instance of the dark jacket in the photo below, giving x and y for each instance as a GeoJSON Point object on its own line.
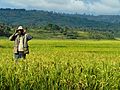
{"type": "Point", "coordinates": [15, 37]}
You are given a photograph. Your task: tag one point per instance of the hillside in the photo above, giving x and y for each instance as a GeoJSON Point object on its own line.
{"type": "Point", "coordinates": [47, 25]}
{"type": "Point", "coordinates": [37, 17]}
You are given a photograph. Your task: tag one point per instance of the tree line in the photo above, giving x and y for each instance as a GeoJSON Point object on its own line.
{"type": "Point", "coordinates": [60, 25]}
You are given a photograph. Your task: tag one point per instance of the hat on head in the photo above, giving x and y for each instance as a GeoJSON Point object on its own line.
{"type": "Point", "coordinates": [20, 27]}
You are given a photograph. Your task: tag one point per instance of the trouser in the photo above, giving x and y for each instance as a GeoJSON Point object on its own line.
{"type": "Point", "coordinates": [19, 55]}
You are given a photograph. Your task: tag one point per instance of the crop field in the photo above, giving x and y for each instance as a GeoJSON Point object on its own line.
{"type": "Point", "coordinates": [62, 65]}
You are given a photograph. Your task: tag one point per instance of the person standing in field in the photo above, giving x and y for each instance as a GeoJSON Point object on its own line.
{"type": "Point", "coordinates": [20, 38]}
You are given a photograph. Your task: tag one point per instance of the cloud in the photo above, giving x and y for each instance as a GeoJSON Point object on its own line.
{"type": "Point", "coordinates": [68, 6]}
{"type": "Point", "coordinates": [111, 3]}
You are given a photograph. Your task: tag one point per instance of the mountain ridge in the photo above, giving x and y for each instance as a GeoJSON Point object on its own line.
{"type": "Point", "coordinates": [40, 17]}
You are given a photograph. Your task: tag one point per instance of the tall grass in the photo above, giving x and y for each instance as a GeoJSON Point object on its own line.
{"type": "Point", "coordinates": [62, 65]}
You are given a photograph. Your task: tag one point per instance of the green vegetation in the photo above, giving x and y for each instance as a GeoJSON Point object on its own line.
{"type": "Point", "coordinates": [4, 30]}
{"type": "Point", "coordinates": [52, 25]}
{"type": "Point", "coordinates": [62, 65]}
{"type": "Point", "coordinates": [70, 61]}
{"type": "Point", "coordinates": [38, 17]}
{"type": "Point", "coordinates": [53, 31]}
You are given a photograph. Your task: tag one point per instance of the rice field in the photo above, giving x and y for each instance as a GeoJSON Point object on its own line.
{"type": "Point", "coordinates": [62, 65]}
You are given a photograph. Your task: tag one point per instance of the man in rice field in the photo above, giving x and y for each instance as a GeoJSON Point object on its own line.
{"type": "Point", "coordinates": [20, 38]}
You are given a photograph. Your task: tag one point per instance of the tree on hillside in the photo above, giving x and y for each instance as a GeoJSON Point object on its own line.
{"type": "Point", "coordinates": [4, 30]}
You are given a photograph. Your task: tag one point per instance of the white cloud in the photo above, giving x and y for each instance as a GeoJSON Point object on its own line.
{"type": "Point", "coordinates": [69, 6]}
{"type": "Point", "coordinates": [111, 3]}
{"type": "Point", "coordinates": [102, 9]}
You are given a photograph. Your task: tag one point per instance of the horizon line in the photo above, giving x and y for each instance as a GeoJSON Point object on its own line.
{"type": "Point", "coordinates": [85, 14]}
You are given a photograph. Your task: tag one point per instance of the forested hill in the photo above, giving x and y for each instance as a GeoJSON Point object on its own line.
{"type": "Point", "coordinates": [49, 25]}
{"type": "Point", "coordinates": [38, 17]}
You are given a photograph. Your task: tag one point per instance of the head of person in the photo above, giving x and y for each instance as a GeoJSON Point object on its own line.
{"type": "Point", "coordinates": [20, 30]}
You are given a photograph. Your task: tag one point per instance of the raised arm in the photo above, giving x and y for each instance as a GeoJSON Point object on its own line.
{"type": "Point", "coordinates": [13, 37]}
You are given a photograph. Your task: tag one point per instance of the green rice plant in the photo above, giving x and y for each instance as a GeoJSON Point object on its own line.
{"type": "Point", "coordinates": [62, 65]}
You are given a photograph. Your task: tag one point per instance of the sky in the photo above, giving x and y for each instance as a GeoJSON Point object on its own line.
{"type": "Point", "coordinates": [95, 7]}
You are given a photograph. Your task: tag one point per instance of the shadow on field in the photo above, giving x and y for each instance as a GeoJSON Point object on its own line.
{"type": "Point", "coordinates": [102, 52]}
{"type": "Point", "coordinates": [2, 46]}
{"type": "Point", "coordinates": [58, 46]}
{"type": "Point", "coordinates": [5, 46]}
